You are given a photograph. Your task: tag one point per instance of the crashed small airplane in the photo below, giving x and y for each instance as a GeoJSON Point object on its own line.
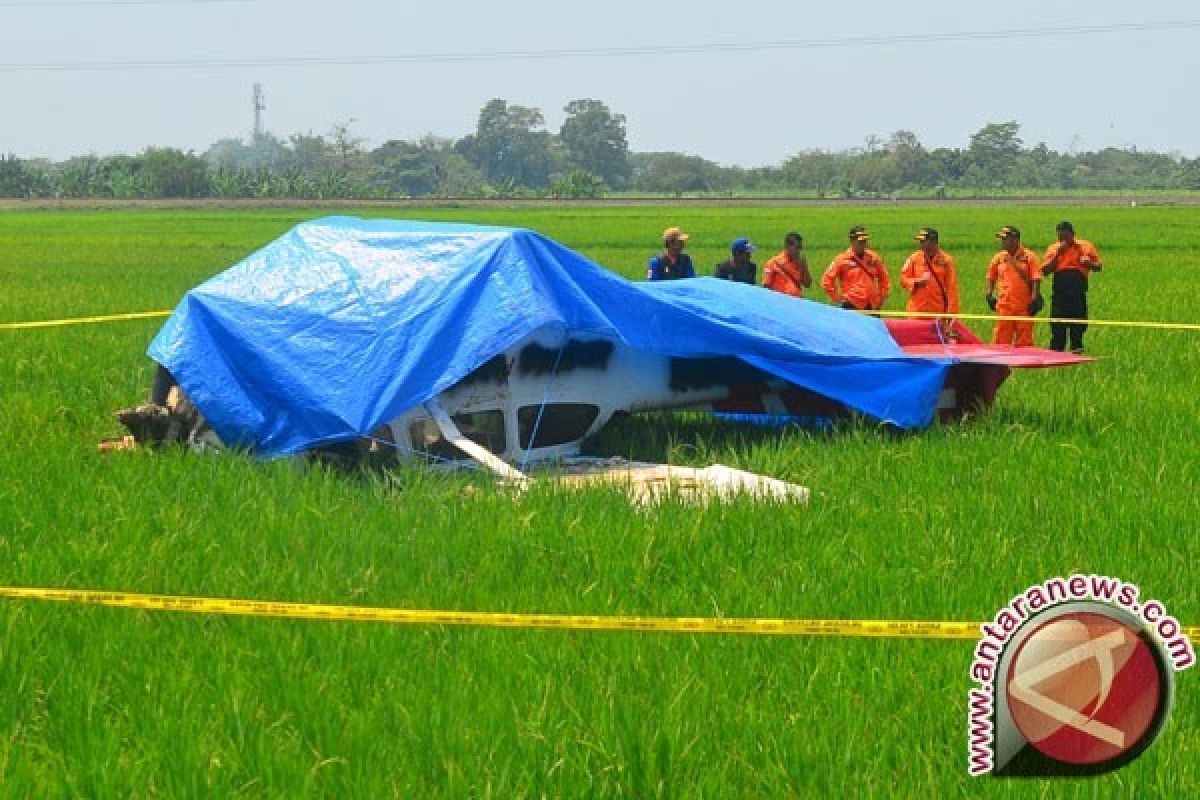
{"type": "Point", "coordinates": [502, 346]}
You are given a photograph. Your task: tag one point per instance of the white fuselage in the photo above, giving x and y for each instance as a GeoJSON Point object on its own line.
{"type": "Point", "coordinates": [575, 390]}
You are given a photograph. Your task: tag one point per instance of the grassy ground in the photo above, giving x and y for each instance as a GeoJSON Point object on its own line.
{"type": "Point", "coordinates": [1091, 469]}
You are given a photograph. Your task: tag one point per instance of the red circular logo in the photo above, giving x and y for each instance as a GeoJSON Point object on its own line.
{"type": "Point", "coordinates": [1084, 688]}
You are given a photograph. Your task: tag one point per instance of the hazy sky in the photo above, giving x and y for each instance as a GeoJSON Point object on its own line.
{"type": "Point", "coordinates": [748, 82]}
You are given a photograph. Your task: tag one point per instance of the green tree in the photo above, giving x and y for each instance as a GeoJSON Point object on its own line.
{"type": "Point", "coordinates": [511, 146]}
{"type": "Point", "coordinates": [226, 155]}
{"type": "Point", "coordinates": [820, 170]}
{"type": "Point", "coordinates": [309, 152]}
{"type": "Point", "coordinates": [456, 176]}
{"type": "Point", "coordinates": [950, 162]}
{"type": "Point", "coordinates": [874, 172]}
{"type": "Point", "coordinates": [578, 185]}
{"type": "Point", "coordinates": [233, 183]}
{"type": "Point", "coordinates": [347, 148]}
{"type": "Point", "coordinates": [1190, 173]}
{"type": "Point", "coordinates": [1041, 167]}
{"type": "Point", "coordinates": [595, 141]}
{"type": "Point", "coordinates": [676, 173]}
{"type": "Point", "coordinates": [993, 151]}
{"type": "Point", "coordinates": [14, 177]}
{"type": "Point", "coordinates": [402, 168]}
{"type": "Point", "coordinates": [263, 152]}
{"type": "Point", "coordinates": [169, 172]}
{"type": "Point", "coordinates": [911, 161]}
{"type": "Point", "coordinates": [1117, 168]}
{"type": "Point", "coordinates": [121, 177]}
{"type": "Point", "coordinates": [80, 177]}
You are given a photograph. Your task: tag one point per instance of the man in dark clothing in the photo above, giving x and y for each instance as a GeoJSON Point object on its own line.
{"type": "Point", "coordinates": [739, 267]}
{"type": "Point", "coordinates": [1070, 261]}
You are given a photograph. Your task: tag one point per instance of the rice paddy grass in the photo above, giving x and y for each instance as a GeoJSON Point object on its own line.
{"type": "Point", "coordinates": [1088, 469]}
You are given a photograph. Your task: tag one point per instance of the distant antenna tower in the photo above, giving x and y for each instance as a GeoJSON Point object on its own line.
{"type": "Point", "coordinates": [259, 105]}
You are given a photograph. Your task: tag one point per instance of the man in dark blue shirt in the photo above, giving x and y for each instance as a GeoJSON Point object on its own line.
{"type": "Point", "coordinates": [738, 268]}
{"type": "Point", "coordinates": [672, 263]}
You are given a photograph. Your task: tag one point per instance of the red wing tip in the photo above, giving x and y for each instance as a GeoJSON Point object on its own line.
{"type": "Point", "coordinates": [1020, 357]}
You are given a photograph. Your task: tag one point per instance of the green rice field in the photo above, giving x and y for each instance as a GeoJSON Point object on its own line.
{"type": "Point", "coordinates": [1092, 469]}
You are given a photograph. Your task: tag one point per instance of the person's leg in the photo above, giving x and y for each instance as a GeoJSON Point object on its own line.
{"type": "Point", "coordinates": [1024, 333]}
{"type": "Point", "coordinates": [1058, 335]}
{"type": "Point", "coordinates": [1077, 330]}
{"type": "Point", "coordinates": [1004, 332]}
{"type": "Point", "coordinates": [1069, 303]}
{"type": "Point", "coordinates": [1060, 307]}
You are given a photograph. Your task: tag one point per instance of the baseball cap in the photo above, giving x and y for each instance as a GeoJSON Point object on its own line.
{"type": "Point", "coordinates": [859, 234]}
{"type": "Point", "coordinates": [1007, 231]}
{"type": "Point", "coordinates": [675, 233]}
{"type": "Point", "coordinates": [927, 235]}
{"type": "Point", "coordinates": [742, 245]}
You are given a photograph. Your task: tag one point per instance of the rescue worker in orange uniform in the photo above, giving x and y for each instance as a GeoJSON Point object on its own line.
{"type": "Point", "coordinates": [857, 278]}
{"type": "Point", "coordinates": [1016, 271]}
{"type": "Point", "coordinates": [788, 272]}
{"type": "Point", "coordinates": [931, 280]}
{"type": "Point", "coordinates": [1071, 261]}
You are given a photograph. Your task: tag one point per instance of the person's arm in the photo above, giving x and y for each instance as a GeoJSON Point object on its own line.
{"type": "Point", "coordinates": [652, 269]}
{"type": "Point", "coordinates": [952, 287]}
{"type": "Point", "coordinates": [802, 268]}
{"type": "Point", "coordinates": [1091, 259]}
{"type": "Point", "coordinates": [829, 283]}
{"type": "Point", "coordinates": [769, 273]}
{"type": "Point", "coordinates": [1036, 303]}
{"type": "Point", "coordinates": [993, 272]}
{"type": "Point", "coordinates": [908, 277]}
{"type": "Point", "coordinates": [1052, 253]}
{"type": "Point", "coordinates": [885, 284]}
{"type": "Point", "coordinates": [1035, 268]}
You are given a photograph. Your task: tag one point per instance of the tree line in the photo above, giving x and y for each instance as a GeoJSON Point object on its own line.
{"type": "Point", "coordinates": [511, 153]}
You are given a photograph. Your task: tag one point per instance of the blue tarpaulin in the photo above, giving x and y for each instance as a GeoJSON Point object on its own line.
{"type": "Point", "coordinates": [342, 324]}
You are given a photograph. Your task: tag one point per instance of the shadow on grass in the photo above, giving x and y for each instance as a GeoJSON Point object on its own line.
{"type": "Point", "coordinates": [685, 436]}
{"type": "Point", "coordinates": [701, 438]}
{"type": "Point", "coordinates": [1065, 418]}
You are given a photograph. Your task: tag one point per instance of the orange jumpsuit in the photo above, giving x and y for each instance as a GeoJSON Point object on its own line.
{"type": "Point", "coordinates": [939, 294]}
{"type": "Point", "coordinates": [1014, 275]}
{"type": "Point", "coordinates": [1070, 257]}
{"type": "Point", "coordinates": [1068, 296]}
{"type": "Point", "coordinates": [864, 283]}
{"type": "Point", "coordinates": [782, 274]}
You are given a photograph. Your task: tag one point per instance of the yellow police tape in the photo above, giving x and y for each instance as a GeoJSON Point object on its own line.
{"type": "Point", "coordinates": [1171, 326]}
{"type": "Point", "coordinates": [58, 323]}
{"type": "Point", "coordinates": [865, 628]}
{"type": "Point", "coordinates": [1116, 323]}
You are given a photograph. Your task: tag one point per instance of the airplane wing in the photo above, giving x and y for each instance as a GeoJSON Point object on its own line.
{"type": "Point", "coordinates": [999, 355]}
{"type": "Point", "coordinates": [919, 338]}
